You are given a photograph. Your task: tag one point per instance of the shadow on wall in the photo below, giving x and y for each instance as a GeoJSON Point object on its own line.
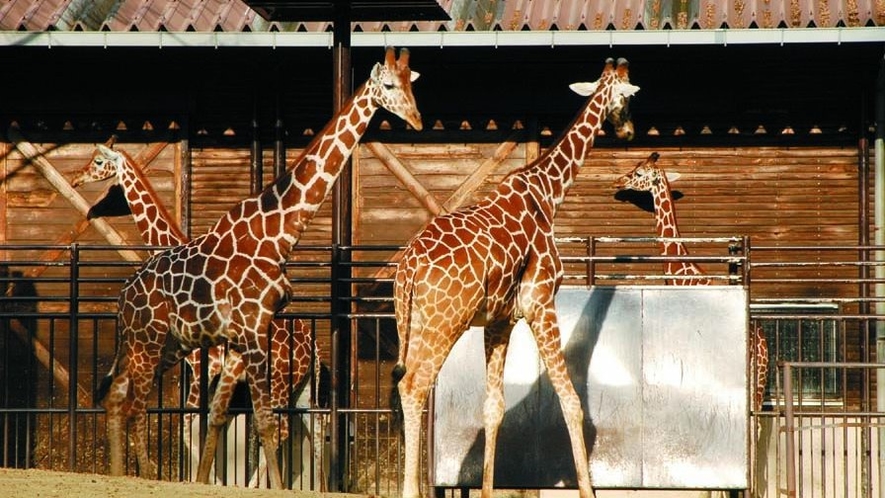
{"type": "Point", "coordinates": [643, 200]}
{"type": "Point", "coordinates": [514, 453]}
{"type": "Point", "coordinates": [18, 367]}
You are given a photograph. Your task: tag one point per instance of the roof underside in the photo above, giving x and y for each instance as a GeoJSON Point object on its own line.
{"type": "Point", "coordinates": [465, 15]}
{"type": "Point", "coordinates": [494, 65]}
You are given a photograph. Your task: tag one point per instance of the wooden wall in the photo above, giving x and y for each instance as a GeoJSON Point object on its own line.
{"type": "Point", "coordinates": [776, 196]}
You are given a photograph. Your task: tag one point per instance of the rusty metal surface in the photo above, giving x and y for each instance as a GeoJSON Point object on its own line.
{"type": "Point", "coordinates": [661, 371]}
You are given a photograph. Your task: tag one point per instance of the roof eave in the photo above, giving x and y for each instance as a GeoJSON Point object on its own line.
{"type": "Point", "coordinates": [442, 39]}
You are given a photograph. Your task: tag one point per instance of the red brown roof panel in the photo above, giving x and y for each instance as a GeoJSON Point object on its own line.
{"type": "Point", "coordinates": [478, 15]}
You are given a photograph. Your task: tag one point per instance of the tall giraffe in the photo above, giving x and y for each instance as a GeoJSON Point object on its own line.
{"type": "Point", "coordinates": [291, 352]}
{"type": "Point", "coordinates": [648, 176]}
{"type": "Point", "coordinates": [227, 284]}
{"type": "Point", "coordinates": [492, 264]}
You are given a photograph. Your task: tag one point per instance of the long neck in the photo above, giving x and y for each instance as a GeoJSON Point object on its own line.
{"type": "Point", "coordinates": [151, 217]}
{"type": "Point", "coordinates": [555, 171]}
{"type": "Point", "coordinates": [665, 223]}
{"type": "Point", "coordinates": [283, 210]}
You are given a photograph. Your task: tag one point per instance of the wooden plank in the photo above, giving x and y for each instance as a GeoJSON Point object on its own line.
{"type": "Point", "coordinates": [481, 173]}
{"type": "Point", "coordinates": [402, 173]}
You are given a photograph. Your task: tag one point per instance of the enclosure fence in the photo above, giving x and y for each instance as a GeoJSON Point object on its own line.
{"type": "Point", "coordinates": [817, 434]}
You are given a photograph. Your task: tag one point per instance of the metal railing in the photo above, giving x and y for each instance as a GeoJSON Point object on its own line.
{"type": "Point", "coordinates": [57, 327]}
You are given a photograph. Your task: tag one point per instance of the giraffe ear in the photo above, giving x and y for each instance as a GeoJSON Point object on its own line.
{"type": "Point", "coordinates": [376, 71]}
{"type": "Point", "coordinates": [626, 89]}
{"type": "Point", "coordinates": [672, 176]}
{"type": "Point", "coordinates": [414, 76]}
{"type": "Point", "coordinates": [584, 89]}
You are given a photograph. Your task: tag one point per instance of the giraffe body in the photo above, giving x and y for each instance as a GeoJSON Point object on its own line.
{"type": "Point", "coordinates": [648, 176]}
{"type": "Point", "coordinates": [226, 285]}
{"type": "Point", "coordinates": [491, 264]}
{"type": "Point", "coordinates": [291, 351]}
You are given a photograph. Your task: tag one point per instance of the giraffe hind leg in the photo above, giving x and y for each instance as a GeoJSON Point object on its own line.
{"type": "Point", "coordinates": [496, 339]}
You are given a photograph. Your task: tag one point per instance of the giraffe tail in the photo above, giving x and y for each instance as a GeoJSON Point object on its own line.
{"type": "Point", "coordinates": [396, 405]}
{"type": "Point", "coordinates": [105, 384]}
{"type": "Point", "coordinates": [403, 289]}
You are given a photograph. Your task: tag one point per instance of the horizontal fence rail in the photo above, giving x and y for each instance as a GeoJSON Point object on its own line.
{"type": "Point", "coordinates": [816, 305]}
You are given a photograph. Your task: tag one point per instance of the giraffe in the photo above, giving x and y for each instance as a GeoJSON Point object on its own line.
{"type": "Point", "coordinates": [648, 176]}
{"type": "Point", "coordinates": [227, 284]}
{"type": "Point", "coordinates": [491, 264]}
{"type": "Point", "coordinates": [291, 352]}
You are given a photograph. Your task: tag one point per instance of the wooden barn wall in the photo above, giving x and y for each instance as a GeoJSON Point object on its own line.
{"type": "Point", "coordinates": [776, 196]}
{"type": "Point", "coordinates": [36, 212]}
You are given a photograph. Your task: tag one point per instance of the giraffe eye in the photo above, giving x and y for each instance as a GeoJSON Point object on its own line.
{"type": "Point", "coordinates": [389, 86]}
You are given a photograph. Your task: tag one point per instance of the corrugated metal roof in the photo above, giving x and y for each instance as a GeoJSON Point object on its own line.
{"type": "Point", "coordinates": [467, 15]}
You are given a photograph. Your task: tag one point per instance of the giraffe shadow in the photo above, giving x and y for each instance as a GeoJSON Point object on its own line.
{"type": "Point", "coordinates": [533, 447]}
{"type": "Point", "coordinates": [18, 341]}
{"type": "Point", "coordinates": [643, 200]}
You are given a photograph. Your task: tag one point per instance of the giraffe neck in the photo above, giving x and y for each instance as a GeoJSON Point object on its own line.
{"type": "Point", "coordinates": [287, 206]}
{"type": "Point", "coordinates": [154, 222]}
{"type": "Point", "coordinates": [555, 171]}
{"type": "Point", "coordinates": [665, 222]}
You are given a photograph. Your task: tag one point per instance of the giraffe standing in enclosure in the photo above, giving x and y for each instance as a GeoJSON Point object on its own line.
{"type": "Point", "coordinates": [290, 351]}
{"type": "Point", "coordinates": [492, 264]}
{"type": "Point", "coordinates": [647, 176]}
{"type": "Point", "coordinates": [227, 284]}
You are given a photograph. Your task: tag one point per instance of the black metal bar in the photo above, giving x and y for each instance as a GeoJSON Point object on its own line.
{"type": "Point", "coordinates": [256, 160]}
{"type": "Point", "coordinates": [73, 341]}
{"type": "Point", "coordinates": [341, 236]}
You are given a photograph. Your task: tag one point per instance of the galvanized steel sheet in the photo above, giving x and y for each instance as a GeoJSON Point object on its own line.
{"type": "Point", "coordinates": [662, 374]}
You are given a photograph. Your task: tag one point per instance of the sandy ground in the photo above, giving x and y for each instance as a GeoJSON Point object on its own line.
{"type": "Point", "coordinates": [15, 483]}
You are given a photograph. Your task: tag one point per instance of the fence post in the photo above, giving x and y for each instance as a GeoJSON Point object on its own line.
{"type": "Point", "coordinates": [790, 429]}
{"type": "Point", "coordinates": [73, 309]}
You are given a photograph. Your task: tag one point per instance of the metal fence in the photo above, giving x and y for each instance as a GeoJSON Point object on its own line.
{"type": "Point", "coordinates": [816, 435]}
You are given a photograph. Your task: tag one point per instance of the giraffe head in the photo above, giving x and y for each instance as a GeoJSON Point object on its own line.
{"type": "Point", "coordinates": [616, 78]}
{"type": "Point", "coordinates": [646, 176]}
{"type": "Point", "coordinates": [104, 165]}
{"type": "Point", "coordinates": [392, 87]}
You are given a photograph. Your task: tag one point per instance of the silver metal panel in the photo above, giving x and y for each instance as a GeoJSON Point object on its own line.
{"type": "Point", "coordinates": [661, 372]}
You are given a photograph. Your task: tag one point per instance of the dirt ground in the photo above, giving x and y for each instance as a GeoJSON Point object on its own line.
{"type": "Point", "coordinates": [16, 483]}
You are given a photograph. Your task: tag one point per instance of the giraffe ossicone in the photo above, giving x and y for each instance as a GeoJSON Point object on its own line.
{"type": "Point", "coordinates": [649, 176]}
{"type": "Point", "coordinates": [488, 264]}
{"type": "Point", "coordinates": [226, 285]}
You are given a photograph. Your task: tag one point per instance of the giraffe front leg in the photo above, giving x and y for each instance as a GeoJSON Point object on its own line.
{"type": "Point", "coordinates": [265, 422]}
{"type": "Point", "coordinates": [496, 339]}
{"type": "Point", "coordinates": [146, 467]}
{"type": "Point", "coordinates": [546, 332]}
{"type": "Point", "coordinates": [233, 368]}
